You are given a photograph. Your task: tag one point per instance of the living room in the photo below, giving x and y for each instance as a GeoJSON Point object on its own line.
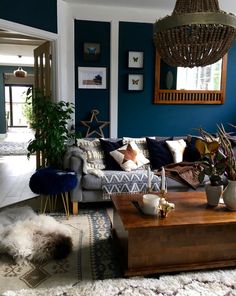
{"type": "Point", "coordinates": [118, 29]}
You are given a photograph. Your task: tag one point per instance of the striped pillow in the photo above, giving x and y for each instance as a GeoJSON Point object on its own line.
{"type": "Point", "coordinates": [94, 153]}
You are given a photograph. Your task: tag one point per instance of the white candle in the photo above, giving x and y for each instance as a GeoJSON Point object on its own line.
{"type": "Point", "coordinates": [149, 178]}
{"type": "Point", "coordinates": [163, 179]}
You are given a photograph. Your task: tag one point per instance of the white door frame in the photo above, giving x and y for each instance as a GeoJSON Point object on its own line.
{"type": "Point", "coordinates": [52, 37]}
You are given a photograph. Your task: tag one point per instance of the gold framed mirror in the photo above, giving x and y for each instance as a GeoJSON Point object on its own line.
{"type": "Point", "coordinates": [172, 93]}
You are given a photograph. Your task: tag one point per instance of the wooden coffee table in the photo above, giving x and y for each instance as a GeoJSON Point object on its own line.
{"type": "Point", "coordinates": [193, 236]}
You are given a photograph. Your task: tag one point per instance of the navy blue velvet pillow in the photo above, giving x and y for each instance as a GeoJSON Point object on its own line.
{"type": "Point", "coordinates": [191, 153]}
{"type": "Point", "coordinates": [107, 147]}
{"type": "Point", "coordinates": [159, 153]}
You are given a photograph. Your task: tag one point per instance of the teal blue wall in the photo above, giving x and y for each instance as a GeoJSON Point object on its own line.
{"type": "Point", "coordinates": [6, 69]}
{"type": "Point", "coordinates": [89, 99]}
{"type": "Point", "coordinates": [38, 14]}
{"type": "Point", "coordinates": [138, 116]}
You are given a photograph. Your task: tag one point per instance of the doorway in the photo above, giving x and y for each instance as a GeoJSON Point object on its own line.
{"type": "Point", "coordinates": [18, 112]}
{"type": "Point", "coordinates": [16, 168]}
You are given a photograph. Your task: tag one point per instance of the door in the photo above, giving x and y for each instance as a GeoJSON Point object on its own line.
{"type": "Point", "coordinates": [42, 74]}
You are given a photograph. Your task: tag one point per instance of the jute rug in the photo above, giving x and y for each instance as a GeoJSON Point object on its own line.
{"type": "Point", "coordinates": [93, 270]}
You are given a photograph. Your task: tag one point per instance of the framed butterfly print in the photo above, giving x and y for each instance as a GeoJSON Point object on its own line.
{"type": "Point", "coordinates": [92, 52]}
{"type": "Point", "coordinates": [135, 82]}
{"type": "Point", "coordinates": [135, 59]}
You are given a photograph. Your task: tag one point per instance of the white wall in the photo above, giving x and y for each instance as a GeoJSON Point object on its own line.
{"type": "Point", "coordinates": [67, 13]}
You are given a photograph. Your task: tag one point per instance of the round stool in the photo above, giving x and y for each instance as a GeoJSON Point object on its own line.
{"type": "Point", "coordinates": [49, 183]}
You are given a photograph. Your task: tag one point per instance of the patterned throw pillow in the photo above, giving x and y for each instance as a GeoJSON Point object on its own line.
{"type": "Point", "coordinates": [94, 153]}
{"type": "Point", "coordinates": [140, 142]}
{"type": "Point", "coordinates": [129, 157]}
{"type": "Point", "coordinates": [177, 148]}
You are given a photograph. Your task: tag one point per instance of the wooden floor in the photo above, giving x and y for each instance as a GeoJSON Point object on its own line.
{"type": "Point", "coordinates": [15, 173]}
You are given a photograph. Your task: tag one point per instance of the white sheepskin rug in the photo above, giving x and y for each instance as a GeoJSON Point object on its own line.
{"type": "Point", "coordinates": [27, 236]}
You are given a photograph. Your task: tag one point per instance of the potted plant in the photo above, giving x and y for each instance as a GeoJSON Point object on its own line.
{"type": "Point", "coordinates": [50, 122]}
{"type": "Point", "coordinates": [27, 111]}
{"type": "Point", "coordinates": [213, 165]}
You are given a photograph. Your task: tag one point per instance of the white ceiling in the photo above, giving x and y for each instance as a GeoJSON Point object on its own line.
{"type": "Point", "coordinates": [17, 49]}
{"type": "Point", "coordinates": [226, 5]}
{"type": "Point", "coordinates": [149, 4]}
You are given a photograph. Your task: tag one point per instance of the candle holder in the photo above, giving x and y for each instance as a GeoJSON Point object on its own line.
{"type": "Point", "coordinates": [149, 189]}
{"type": "Point", "coordinates": [165, 207]}
{"type": "Point", "coordinates": [163, 194]}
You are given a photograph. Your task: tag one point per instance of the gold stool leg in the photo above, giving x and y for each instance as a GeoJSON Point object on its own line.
{"type": "Point", "coordinates": [54, 203]}
{"type": "Point", "coordinates": [65, 200]}
{"type": "Point", "coordinates": [43, 207]}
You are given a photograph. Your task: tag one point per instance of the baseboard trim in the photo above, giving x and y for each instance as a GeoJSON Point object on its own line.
{"type": "Point", "coordinates": [3, 136]}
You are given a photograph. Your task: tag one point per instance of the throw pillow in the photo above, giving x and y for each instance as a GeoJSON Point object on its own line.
{"type": "Point", "coordinates": [159, 152]}
{"type": "Point", "coordinates": [140, 142]}
{"type": "Point", "coordinates": [191, 153]}
{"type": "Point", "coordinates": [107, 147]}
{"type": "Point", "coordinates": [94, 153]}
{"type": "Point", "coordinates": [177, 148]}
{"type": "Point", "coordinates": [129, 157]}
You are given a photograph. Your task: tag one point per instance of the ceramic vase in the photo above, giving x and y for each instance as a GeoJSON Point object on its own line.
{"type": "Point", "coordinates": [213, 194]}
{"type": "Point", "coordinates": [229, 195]}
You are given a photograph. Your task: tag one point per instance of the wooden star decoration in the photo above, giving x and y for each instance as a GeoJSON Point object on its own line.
{"type": "Point", "coordinates": [95, 126]}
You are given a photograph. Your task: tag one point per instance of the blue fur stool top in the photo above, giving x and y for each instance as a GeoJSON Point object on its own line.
{"type": "Point", "coordinates": [51, 182]}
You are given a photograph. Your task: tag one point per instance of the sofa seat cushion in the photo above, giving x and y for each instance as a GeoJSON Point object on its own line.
{"type": "Point", "coordinates": [91, 182]}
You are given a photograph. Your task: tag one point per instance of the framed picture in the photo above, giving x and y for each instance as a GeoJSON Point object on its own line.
{"type": "Point", "coordinates": [91, 77]}
{"type": "Point", "coordinates": [135, 82]}
{"type": "Point", "coordinates": [91, 51]}
{"type": "Point", "coordinates": [135, 59]}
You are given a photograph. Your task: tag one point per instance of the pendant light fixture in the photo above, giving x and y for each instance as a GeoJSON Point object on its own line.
{"type": "Point", "coordinates": [20, 72]}
{"type": "Point", "coordinates": [197, 33]}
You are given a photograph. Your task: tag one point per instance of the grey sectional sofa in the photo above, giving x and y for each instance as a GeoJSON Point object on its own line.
{"type": "Point", "coordinates": [90, 169]}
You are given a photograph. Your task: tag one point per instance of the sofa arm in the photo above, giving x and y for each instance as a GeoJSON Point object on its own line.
{"type": "Point", "coordinates": [74, 161]}
{"type": "Point", "coordinates": [76, 165]}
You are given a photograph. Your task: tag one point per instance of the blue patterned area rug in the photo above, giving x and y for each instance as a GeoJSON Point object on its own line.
{"type": "Point", "coordinates": [93, 257]}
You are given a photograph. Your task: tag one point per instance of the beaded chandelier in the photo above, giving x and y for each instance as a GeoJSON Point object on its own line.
{"type": "Point", "coordinates": [197, 33]}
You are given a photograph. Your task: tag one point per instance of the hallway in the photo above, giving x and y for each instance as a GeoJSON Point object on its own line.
{"type": "Point", "coordinates": [16, 170]}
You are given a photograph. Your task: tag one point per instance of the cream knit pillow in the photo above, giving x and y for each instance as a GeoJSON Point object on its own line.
{"type": "Point", "coordinates": [177, 148]}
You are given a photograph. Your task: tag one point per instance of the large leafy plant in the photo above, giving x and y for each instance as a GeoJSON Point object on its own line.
{"type": "Point", "coordinates": [50, 122]}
